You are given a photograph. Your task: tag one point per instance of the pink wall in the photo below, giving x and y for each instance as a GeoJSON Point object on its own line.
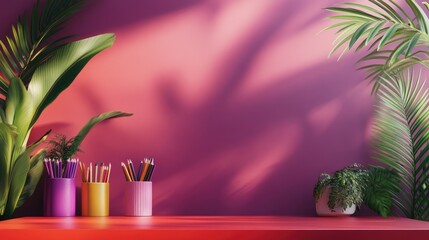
{"type": "Point", "coordinates": [236, 100]}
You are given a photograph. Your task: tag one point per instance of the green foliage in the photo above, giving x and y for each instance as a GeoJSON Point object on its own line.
{"type": "Point", "coordinates": [18, 176]}
{"type": "Point", "coordinates": [381, 186]}
{"type": "Point", "coordinates": [63, 148]}
{"type": "Point", "coordinates": [395, 37]}
{"type": "Point", "coordinates": [347, 187]}
{"type": "Point", "coordinates": [356, 185]}
{"type": "Point", "coordinates": [7, 137]}
{"type": "Point", "coordinates": [401, 130]}
{"type": "Point", "coordinates": [35, 67]}
{"type": "Point", "coordinates": [322, 183]}
{"type": "Point", "coordinates": [32, 42]}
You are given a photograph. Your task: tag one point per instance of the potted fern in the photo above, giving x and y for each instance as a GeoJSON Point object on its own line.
{"type": "Point", "coordinates": [341, 193]}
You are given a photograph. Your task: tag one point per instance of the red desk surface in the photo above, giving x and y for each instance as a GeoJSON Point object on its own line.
{"type": "Point", "coordinates": [214, 227]}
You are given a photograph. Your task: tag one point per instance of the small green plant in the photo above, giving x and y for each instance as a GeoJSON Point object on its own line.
{"type": "Point", "coordinates": [62, 148]}
{"type": "Point", "coordinates": [356, 185]}
{"type": "Point", "coordinates": [347, 187]}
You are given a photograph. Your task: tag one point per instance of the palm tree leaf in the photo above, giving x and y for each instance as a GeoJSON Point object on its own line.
{"type": "Point", "coordinates": [359, 33]}
{"type": "Point", "coordinates": [402, 131]}
{"type": "Point", "coordinates": [341, 41]}
{"type": "Point", "coordinates": [352, 12]}
{"type": "Point", "coordinates": [374, 31]}
{"type": "Point", "coordinates": [388, 35]}
{"type": "Point", "coordinates": [381, 186]}
{"type": "Point", "coordinates": [357, 6]}
{"type": "Point", "coordinates": [389, 10]}
{"type": "Point", "coordinates": [388, 27]}
{"type": "Point", "coordinates": [339, 24]}
{"type": "Point", "coordinates": [400, 49]}
{"type": "Point", "coordinates": [420, 16]}
{"type": "Point", "coordinates": [404, 13]}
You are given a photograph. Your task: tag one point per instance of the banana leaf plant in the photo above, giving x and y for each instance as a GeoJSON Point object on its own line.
{"type": "Point", "coordinates": [36, 65]}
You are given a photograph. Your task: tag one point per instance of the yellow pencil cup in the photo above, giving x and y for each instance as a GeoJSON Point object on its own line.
{"type": "Point", "coordinates": [95, 199]}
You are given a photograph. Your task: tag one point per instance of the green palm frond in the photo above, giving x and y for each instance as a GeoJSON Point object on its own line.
{"type": "Point", "coordinates": [401, 130]}
{"type": "Point", "coordinates": [396, 38]}
{"type": "Point", "coordinates": [381, 186]}
{"type": "Point", "coordinates": [30, 44]}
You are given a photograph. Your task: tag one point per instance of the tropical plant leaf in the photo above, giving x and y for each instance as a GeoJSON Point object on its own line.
{"type": "Point", "coordinates": [382, 185]}
{"type": "Point", "coordinates": [389, 27]}
{"type": "Point", "coordinates": [420, 15]}
{"type": "Point", "coordinates": [94, 121]}
{"type": "Point", "coordinates": [18, 176]}
{"type": "Point", "coordinates": [33, 176]}
{"type": "Point", "coordinates": [34, 145]}
{"type": "Point", "coordinates": [401, 134]}
{"type": "Point", "coordinates": [7, 140]}
{"type": "Point", "coordinates": [35, 68]}
{"type": "Point", "coordinates": [30, 44]}
{"type": "Point", "coordinates": [388, 36]}
{"type": "Point", "coordinates": [18, 109]}
{"type": "Point", "coordinates": [16, 100]}
{"type": "Point", "coordinates": [77, 140]}
{"type": "Point", "coordinates": [50, 79]}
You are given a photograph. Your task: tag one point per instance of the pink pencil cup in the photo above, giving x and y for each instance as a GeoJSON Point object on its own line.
{"type": "Point", "coordinates": [138, 198]}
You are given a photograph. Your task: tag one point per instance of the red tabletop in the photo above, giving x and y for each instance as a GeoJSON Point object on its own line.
{"type": "Point", "coordinates": [214, 227]}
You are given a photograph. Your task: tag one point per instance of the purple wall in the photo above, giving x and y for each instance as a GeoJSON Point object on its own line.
{"type": "Point", "coordinates": [236, 100]}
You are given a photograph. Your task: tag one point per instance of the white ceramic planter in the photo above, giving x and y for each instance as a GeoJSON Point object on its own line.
{"type": "Point", "coordinates": [322, 208]}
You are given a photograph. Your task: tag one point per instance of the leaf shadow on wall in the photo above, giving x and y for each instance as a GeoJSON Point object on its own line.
{"type": "Point", "coordinates": [209, 173]}
{"type": "Point", "coordinates": [206, 173]}
{"type": "Point", "coordinates": [252, 153]}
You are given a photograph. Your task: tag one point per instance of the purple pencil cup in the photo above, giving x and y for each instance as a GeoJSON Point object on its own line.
{"type": "Point", "coordinates": [60, 197]}
{"type": "Point", "coordinates": [138, 198]}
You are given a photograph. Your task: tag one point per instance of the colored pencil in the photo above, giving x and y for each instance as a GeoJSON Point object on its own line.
{"type": "Point", "coordinates": [108, 172]}
{"type": "Point", "coordinates": [151, 172]}
{"type": "Point", "coordinates": [127, 175]}
{"type": "Point", "coordinates": [144, 173]}
{"type": "Point", "coordinates": [139, 174]}
{"type": "Point", "coordinates": [90, 172]}
{"type": "Point", "coordinates": [146, 167]}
